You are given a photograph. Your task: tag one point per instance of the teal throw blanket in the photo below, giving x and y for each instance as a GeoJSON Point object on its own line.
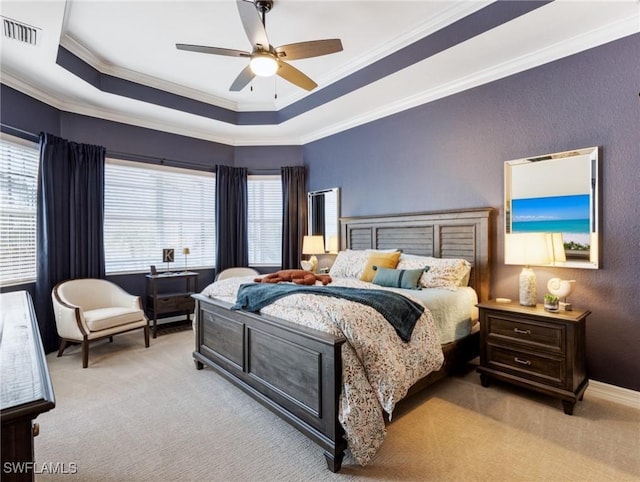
{"type": "Point", "coordinates": [401, 312]}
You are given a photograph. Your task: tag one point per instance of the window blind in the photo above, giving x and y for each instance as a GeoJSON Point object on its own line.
{"type": "Point", "coordinates": [19, 161]}
{"type": "Point", "coordinates": [149, 208]}
{"type": "Point", "coordinates": [265, 220]}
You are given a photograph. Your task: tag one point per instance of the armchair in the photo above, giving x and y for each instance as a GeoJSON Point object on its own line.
{"type": "Point", "coordinates": [90, 309]}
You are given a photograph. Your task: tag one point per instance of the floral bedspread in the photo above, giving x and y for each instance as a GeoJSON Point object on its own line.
{"type": "Point", "coordinates": [378, 367]}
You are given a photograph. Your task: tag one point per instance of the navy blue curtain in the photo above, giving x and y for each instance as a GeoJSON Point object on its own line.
{"type": "Point", "coordinates": [294, 215]}
{"type": "Point", "coordinates": [232, 232]}
{"type": "Point", "coordinates": [69, 221]}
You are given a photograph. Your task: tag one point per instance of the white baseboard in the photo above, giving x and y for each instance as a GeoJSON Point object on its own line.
{"type": "Point", "coordinates": [613, 393]}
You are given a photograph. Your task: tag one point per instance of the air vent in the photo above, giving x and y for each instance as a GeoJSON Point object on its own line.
{"type": "Point", "coordinates": [20, 31]}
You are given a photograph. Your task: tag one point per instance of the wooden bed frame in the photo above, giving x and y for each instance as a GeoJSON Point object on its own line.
{"type": "Point", "coordinates": [296, 371]}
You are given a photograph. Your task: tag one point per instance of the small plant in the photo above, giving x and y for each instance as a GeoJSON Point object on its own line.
{"type": "Point", "coordinates": [550, 299]}
{"type": "Point", "coordinates": [551, 302]}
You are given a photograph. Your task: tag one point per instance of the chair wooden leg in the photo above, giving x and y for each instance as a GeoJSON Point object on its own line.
{"type": "Point", "coordinates": [85, 353]}
{"type": "Point", "coordinates": [146, 336]}
{"type": "Point", "coordinates": [63, 346]}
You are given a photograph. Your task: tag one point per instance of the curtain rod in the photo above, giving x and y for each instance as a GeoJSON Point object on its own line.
{"type": "Point", "coordinates": [17, 131]}
{"type": "Point", "coordinates": [137, 157]}
{"type": "Point", "coordinates": [159, 160]}
{"type": "Point", "coordinates": [178, 163]}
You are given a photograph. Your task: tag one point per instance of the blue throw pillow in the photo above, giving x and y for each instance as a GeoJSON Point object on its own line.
{"type": "Point", "coordinates": [398, 278]}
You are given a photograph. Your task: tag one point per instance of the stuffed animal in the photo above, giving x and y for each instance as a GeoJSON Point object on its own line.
{"type": "Point", "coordinates": [298, 276]}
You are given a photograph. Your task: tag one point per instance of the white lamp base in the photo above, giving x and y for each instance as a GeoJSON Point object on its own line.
{"type": "Point", "coordinates": [528, 293]}
{"type": "Point", "coordinates": [311, 265]}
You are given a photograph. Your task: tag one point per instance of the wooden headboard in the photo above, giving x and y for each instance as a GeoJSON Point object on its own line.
{"type": "Point", "coordinates": [444, 234]}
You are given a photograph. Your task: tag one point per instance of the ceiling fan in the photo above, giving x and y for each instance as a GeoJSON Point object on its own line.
{"type": "Point", "coordinates": [266, 60]}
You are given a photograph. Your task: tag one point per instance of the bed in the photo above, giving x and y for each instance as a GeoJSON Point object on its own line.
{"type": "Point", "coordinates": [297, 371]}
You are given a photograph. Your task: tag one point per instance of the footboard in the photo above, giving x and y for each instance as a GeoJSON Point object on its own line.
{"type": "Point", "coordinates": [294, 371]}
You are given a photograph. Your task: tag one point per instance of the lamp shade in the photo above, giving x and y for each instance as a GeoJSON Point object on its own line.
{"type": "Point", "coordinates": [186, 251]}
{"type": "Point", "coordinates": [527, 249]}
{"type": "Point", "coordinates": [333, 244]}
{"type": "Point", "coordinates": [555, 246]}
{"type": "Point", "coordinates": [313, 245]}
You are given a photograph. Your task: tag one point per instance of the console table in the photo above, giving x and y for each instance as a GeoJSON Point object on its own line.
{"type": "Point", "coordinates": [171, 293]}
{"type": "Point", "coordinates": [26, 389]}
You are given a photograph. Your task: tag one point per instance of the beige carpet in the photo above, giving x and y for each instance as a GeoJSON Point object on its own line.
{"type": "Point", "coordinates": [148, 414]}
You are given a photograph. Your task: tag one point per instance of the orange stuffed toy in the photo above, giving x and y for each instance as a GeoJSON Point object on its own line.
{"type": "Point", "coordinates": [298, 276]}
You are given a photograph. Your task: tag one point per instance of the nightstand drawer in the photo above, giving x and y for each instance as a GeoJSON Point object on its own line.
{"type": "Point", "coordinates": [550, 370]}
{"type": "Point", "coordinates": [175, 303]}
{"type": "Point", "coordinates": [527, 332]}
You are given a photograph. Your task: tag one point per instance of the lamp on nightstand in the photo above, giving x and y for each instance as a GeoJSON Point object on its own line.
{"type": "Point", "coordinates": [312, 245]}
{"type": "Point", "coordinates": [527, 249]}
{"type": "Point", "coordinates": [186, 253]}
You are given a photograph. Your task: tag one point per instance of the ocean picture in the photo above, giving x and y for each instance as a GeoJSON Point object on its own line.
{"type": "Point", "coordinates": [568, 215]}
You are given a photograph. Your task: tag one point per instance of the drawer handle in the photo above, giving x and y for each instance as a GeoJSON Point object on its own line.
{"type": "Point", "coordinates": [521, 361]}
{"type": "Point", "coordinates": [522, 332]}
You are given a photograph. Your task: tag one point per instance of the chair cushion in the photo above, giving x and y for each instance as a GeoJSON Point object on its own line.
{"type": "Point", "coordinates": [103, 318]}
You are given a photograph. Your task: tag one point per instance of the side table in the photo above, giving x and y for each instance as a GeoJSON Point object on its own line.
{"type": "Point", "coordinates": [535, 349]}
{"type": "Point", "coordinates": [178, 300]}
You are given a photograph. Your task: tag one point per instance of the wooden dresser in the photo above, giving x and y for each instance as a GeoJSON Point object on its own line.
{"type": "Point", "coordinates": [535, 349]}
{"type": "Point", "coordinates": [26, 389]}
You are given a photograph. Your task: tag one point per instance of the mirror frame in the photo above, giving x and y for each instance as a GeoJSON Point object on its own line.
{"type": "Point", "coordinates": [562, 174]}
{"type": "Point", "coordinates": [332, 226]}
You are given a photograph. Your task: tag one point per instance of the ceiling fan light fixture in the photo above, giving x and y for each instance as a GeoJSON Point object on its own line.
{"type": "Point", "coordinates": [263, 64]}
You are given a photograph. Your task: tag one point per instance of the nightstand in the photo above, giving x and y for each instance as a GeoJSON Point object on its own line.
{"type": "Point", "coordinates": [535, 349]}
{"type": "Point", "coordinates": [177, 301]}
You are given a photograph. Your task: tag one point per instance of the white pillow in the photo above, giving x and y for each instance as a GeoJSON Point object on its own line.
{"type": "Point", "coordinates": [349, 264]}
{"type": "Point", "coordinates": [447, 273]}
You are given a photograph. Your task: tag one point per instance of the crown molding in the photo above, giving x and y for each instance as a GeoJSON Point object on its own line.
{"type": "Point", "coordinates": [237, 137]}
{"type": "Point", "coordinates": [579, 43]}
{"type": "Point", "coordinates": [87, 56]}
{"type": "Point", "coordinates": [449, 15]}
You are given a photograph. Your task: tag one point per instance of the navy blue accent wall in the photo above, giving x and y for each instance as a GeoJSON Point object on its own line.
{"type": "Point", "coordinates": [268, 158]}
{"type": "Point", "coordinates": [450, 154]}
{"type": "Point", "coordinates": [27, 114]}
{"type": "Point", "coordinates": [140, 144]}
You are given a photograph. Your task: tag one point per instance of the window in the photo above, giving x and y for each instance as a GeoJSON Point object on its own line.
{"type": "Point", "coordinates": [265, 220]}
{"type": "Point", "coordinates": [18, 202]}
{"type": "Point", "coordinates": [149, 208]}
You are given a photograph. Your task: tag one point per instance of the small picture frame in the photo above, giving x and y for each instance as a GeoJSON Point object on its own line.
{"type": "Point", "coordinates": [153, 270]}
{"type": "Point", "coordinates": [167, 255]}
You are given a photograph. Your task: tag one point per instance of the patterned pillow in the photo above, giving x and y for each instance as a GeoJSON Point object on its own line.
{"type": "Point", "coordinates": [399, 278]}
{"type": "Point", "coordinates": [379, 259]}
{"type": "Point", "coordinates": [447, 273]}
{"type": "Point", "coordinates": [349, 264]}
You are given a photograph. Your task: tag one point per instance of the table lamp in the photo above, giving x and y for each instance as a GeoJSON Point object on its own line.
{"type": "Point", "coordinates": [527, 249]}
{"type": "Point", "coordinates": [555, 246]}
{"type": "Point", "coordinates": [312, 245]}
{"type": "Point", "coordinates": [186, 252]}
{"type": "Point", "coordinates": [333, 244]}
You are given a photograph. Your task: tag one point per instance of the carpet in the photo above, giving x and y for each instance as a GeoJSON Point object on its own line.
{"type": "Point", "coordinates": [141, 414]}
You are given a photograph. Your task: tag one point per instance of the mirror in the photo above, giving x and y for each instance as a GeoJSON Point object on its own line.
{"type": "Point", "coordinates": [555, 194]}
{"type": "Point", "coordinates": [324, 216]}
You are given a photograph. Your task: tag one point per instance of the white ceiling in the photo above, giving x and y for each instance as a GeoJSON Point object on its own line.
{"type": "Point", "coordinates": [136, 41]}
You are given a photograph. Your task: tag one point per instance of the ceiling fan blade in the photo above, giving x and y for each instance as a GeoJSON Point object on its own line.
{"type": "Point", "coordinates": [253, 24]}
{"type": "Point", "coordinates": [293, 75]}
{"type": "Point", "coordinates": [213, 50]}
{"type": "Point", "coordinates": [243, 78]}
{"type": "Point", "coordinates": [305, 50]}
